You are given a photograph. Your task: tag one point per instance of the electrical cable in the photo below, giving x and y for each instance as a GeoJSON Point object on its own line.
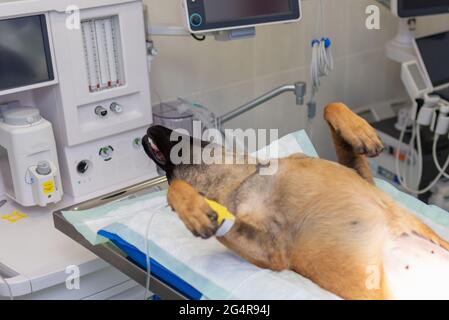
{"type": "Point", "coordinates": [148, 256]}
{"type": "Point", "coordinates": [410, 147]}
{"type": "Point", "coordinates": [435, 157]}
{"type": "Point", "coordinates": [322, 61]}
{"type": "Point", "coordinates": [420, 154]}
{"type": "Point", "coordinates": [420, 166]}
{"type": "Point", "coordinates": [410, 154]}
{"type": "Point", "coordinates": [309, 128]}
{"type": "Point", "coordinates": [401, 180]}
{"type": "Point", "coordinates": [198, 38]}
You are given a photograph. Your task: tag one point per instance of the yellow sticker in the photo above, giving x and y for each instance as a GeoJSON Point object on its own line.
{"type": "Point", "coordinates": [14, 217]}
{"type": "Point", "coordinates": [48, 187]}
{"type": "Point", "coordinates": [222, 212]}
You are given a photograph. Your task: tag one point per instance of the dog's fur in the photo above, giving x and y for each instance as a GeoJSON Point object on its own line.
{"type": "Point", "coordinates": [323, 220]}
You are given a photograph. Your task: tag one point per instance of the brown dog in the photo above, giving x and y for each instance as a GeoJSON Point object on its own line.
{"type": "Point", "coordinates": [325, 221]}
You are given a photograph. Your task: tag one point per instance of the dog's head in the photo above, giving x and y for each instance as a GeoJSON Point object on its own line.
{"type": "Point", "coordinates": [159, 142]}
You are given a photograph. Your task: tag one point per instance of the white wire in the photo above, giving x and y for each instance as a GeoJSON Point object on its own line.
{"type": "Point", "coordinates": [325, 59]}
{"type": "Point", "coordinates": [148, 256]}
{"type": "Point", "coordinates": [398, 149]}
{"type": "Point", "coordinates": [420, 154]}
{"type": "Point", "coordinates": [11, 297]}
{"type": "Point", "coordinates": [411, 148]}
{"type": "Point", "coordinates": [410, 153]}
{"type": "Point", "coordinates": [398, 171]}
{"type": "Point", "coordinates": [309, 128]}
{"type": "Point", "coordinates": [322, 63]}
{"type": "Point", "coordinates": [322, 60]}
{"type": "Point", "coordinates": [435, 157]}
{"type": "Point", "coordinates": [321, 21]}
{"type": "Point", "coordinates": [314, 72]}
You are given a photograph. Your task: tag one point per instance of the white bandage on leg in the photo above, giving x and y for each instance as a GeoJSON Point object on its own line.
{"type": "Point", "coordinates": [225, 227]}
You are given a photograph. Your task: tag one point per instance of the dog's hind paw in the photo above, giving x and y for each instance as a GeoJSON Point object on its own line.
{"type": "Point", "coordinates": [353, 129]}
{"type": "Point", "coordinates": [192, 209]}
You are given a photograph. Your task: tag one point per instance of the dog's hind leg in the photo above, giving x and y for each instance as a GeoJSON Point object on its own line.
{"type": "Point", "coordinates": [403, 222]}
{"type": "Point", "coordinates": [250, 237]}
{"type": "Point", "coordinates": [353, 137]}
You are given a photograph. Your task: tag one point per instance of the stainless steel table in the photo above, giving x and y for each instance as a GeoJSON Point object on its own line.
{"type": "Point", "coordinates": [110, 252]}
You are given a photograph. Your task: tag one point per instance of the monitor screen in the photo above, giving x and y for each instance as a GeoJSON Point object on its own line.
{"type": "Point", "coordinates": [412, 8]}
{"type": "Point", "coordinates": [434, 51]}
{"type": "Point", "coordinates": [219, 10]}
{"type": "Point", "coordinates": [24, 52]}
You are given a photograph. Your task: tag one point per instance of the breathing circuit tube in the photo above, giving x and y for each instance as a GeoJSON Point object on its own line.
{"type": "Point", "coordinates": [441, 129]}
{"type": "Point", "coordinates": [435, 157]}
{"type": "Point", "coordinates": [416, 132]}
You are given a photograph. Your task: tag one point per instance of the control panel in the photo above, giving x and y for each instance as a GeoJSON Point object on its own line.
{"type": "Point", "coordinates": [110, 159]}
{"type": "Point", "coordinates": [103, 74]}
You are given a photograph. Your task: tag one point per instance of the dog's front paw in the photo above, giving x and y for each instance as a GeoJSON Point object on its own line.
{"type": "Point", "coordinates": [201, 221]}
{"type": "Point", "coordinates": [354, 130]}
{"type": "Point", "coordinates": [193, 209]}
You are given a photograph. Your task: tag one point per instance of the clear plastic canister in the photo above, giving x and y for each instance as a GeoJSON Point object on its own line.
{"type": "Point", "coordinates": [173, 115]}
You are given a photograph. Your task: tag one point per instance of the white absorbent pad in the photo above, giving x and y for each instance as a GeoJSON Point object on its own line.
{"type": "Point", "coordinates": [207, 265]}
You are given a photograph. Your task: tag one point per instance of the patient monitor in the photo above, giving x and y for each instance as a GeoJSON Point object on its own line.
{"type": "Point", "coordinates": [400, 49]}
{"type": "Point", "coordinates": [204, 16]}
{"type": "Point", "coordinates": [433, 52]}
{"type": "Point", "coordinates": [87, 81]}
{"type": "Point", "coordinates": [415, 8]}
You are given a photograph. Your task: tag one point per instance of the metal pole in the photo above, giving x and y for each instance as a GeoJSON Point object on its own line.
{"type": "Point", "coordinates": [299, 89]}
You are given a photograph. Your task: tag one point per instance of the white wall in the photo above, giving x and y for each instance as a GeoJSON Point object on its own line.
{"type": "Point", "coordinates": [225, 75]}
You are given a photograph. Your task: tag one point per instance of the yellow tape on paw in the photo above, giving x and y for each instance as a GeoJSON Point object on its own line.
{"type": "Point", "coordinates": [225, 218]}
{"type": "Point", "coordinates": [222, 212]}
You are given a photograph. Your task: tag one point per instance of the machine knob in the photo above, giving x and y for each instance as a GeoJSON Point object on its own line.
{"type": "Point", "coordinates": [43, 168]}
{"type": "Point", "coordinates": [115, 107]}
{"type": "Point", "coordinates": [82, 167]}
{"type": "Point", "coordinates": [196, 20]}
{"type": "Point", "coordinates": [137, 143]}
{"type": "Point", "coordinates": [101, 112]}
{"type": "Point", "coordinates": [106, 153]}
